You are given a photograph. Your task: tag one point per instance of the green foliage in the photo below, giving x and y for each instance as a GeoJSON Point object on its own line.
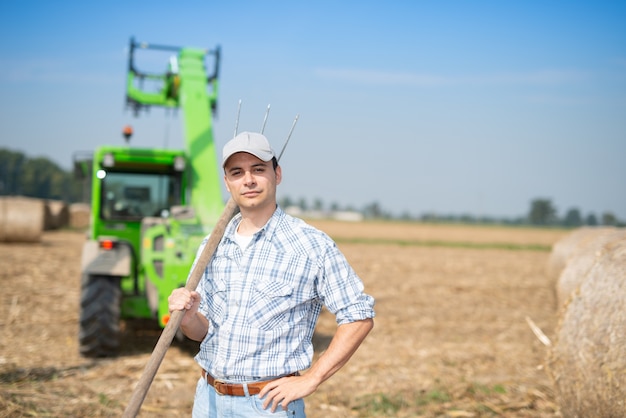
{"type": "Point", "coordinates": [10, 167]}
{"type": "Point", "coordinates": [380, 404]}
{"type": "Point", "coordinates": [383, 405]}
{"type": "Point", "coordinates": [609, 219]}
{"type": "Point", "coordinates": [436, 401]}
{"type": "Point", "coordinates": [542, 212]}
{"type": "Point", "coordinates": [591, 220]}
{"type": "Point", "coordinates": [476, 388]}
{"type": "Point", "coordinates": [105, 400]}
{"type": "Point", "coordinates": [433, 396]}
{"type": "Point", "coordinates": [36, 177]}
{"type": "Point", "coordinates": [573, 218]}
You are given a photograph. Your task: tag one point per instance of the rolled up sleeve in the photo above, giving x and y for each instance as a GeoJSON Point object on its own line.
{"type": "Point", "coordinates": [342, 290]}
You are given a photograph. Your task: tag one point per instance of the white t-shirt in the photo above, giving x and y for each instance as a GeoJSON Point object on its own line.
{"type": "Point", "coordinates": [242, 240]}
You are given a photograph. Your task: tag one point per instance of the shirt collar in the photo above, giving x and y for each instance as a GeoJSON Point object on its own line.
{"type": "Point", "coordinates": [267, 229]}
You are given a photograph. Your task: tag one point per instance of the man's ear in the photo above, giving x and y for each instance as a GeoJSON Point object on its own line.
{"type": "Point", "coordinates": [226, 184]}
{"type": "Point", "coordinates": [279, 174]}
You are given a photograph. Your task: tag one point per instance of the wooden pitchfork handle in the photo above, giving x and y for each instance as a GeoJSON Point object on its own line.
{"type": "Point", "coordinates": [165, 340]}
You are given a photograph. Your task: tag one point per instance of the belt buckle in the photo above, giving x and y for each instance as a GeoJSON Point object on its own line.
{"type": "Point", "coordinates": [216, 384]}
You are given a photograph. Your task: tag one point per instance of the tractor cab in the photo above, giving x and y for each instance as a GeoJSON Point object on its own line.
{"type": "Point", "coordinates": [150, 207]}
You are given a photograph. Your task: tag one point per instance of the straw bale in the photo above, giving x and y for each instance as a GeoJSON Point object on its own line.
{"type": "Point", "coordinates": [80, 214]}
{"type": "Point", "coordinates": [587, 363]}
{"type": "Point", "coordinates": [56, 215]}
{"type": "Point", "coordinates": [563, 249]}
{"type": "Point", "coordinates": [21, 219]}
{"type": "Point", "coordinates": [582, 260]}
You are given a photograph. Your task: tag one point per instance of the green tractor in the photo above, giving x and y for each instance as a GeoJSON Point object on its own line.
{"type": "Point", "coordinates": [150, 208]}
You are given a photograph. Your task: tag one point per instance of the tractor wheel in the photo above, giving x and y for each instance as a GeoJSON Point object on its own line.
{"type": "Point", "coordinates": [99, 332]}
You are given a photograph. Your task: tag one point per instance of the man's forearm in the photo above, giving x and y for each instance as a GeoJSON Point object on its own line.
{"type": "Point", "coordinates": [343, 345]}
{"type": "Point", "coordinates": [345, 342]}
{"type": "Point", "coordinates": [195, 327]}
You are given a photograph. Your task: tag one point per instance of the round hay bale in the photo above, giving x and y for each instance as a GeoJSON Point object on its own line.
{"type": "Point", "coordinates": [21, 219]}
{"type": "Point", "coordinates": [80, 214]}
{"type": "Point", "coordinates": [582, 260]}
{"type": "Point", "coordinates": [56, 215]}
{"type": "Point", "coordinates": [587, 362]}
{"type": "Point", "coordinates": [562, 249]}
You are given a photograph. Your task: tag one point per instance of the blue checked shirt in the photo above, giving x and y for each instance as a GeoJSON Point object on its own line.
{"type": "Point", "coordinates": [263, 304]}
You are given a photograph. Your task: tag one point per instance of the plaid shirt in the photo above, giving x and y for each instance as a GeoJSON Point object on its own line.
{"type": "Point", "coordinates": [263, 304]}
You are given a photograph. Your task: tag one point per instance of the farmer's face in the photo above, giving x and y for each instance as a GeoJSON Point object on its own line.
{"type": "Point", "coordinates": [251, 181]}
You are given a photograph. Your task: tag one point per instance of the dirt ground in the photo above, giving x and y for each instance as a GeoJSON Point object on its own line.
{"type": "Point", "coordinates": [451, 337]}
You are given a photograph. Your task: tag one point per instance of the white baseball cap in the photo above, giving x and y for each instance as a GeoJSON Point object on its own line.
{"type": "Point", "coordinates": [250, 142]}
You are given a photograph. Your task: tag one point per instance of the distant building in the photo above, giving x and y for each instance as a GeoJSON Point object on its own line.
{"type": "Point", "coordinates": [347, 216]}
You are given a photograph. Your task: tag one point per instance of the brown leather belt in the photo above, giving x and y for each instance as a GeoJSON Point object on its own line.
{"type": "Point", "coordinates": [236, 389]}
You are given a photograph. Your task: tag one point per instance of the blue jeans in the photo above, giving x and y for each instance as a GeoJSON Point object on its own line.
{"type": "Point", "coordinates": [209, 404]}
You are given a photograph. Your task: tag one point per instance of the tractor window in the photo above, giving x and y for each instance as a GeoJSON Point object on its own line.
{"type": "Point", "coordinates": [132, 196]}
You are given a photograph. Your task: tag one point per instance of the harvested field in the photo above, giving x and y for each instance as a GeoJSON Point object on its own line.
{"type": "Point", "coordinates": [450, 337]}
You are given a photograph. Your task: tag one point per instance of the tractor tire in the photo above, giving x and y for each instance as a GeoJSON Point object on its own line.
{"type": "Point", "coordinates": [99, 330]}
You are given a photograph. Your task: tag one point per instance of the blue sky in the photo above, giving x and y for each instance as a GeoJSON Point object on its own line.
{"type": "Point", "coordinates": [452, 107]}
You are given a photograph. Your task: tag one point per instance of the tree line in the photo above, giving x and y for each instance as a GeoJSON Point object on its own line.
{"type": "Point", "coordinates": [36, 177]}
{"type": "Point", "coordinates": [42, 178]}
{"type": "Point", "coordinates": [542, 212]}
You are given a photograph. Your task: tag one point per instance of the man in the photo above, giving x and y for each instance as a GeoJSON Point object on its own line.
{"type": "Point", "coordinates": [258, 301]}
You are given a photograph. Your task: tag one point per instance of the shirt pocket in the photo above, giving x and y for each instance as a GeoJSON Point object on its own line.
{"type": "Point", "coordinates": [217, 296]}
{"type": "Point", "coordinates": [270, 305]}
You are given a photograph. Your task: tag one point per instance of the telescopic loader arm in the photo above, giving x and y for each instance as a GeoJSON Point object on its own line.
{"type": "Point", "coordinates": [186, 85]}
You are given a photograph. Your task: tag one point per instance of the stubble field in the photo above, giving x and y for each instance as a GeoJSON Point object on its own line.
{"type": "Point", "coordinates": [451, 337]}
